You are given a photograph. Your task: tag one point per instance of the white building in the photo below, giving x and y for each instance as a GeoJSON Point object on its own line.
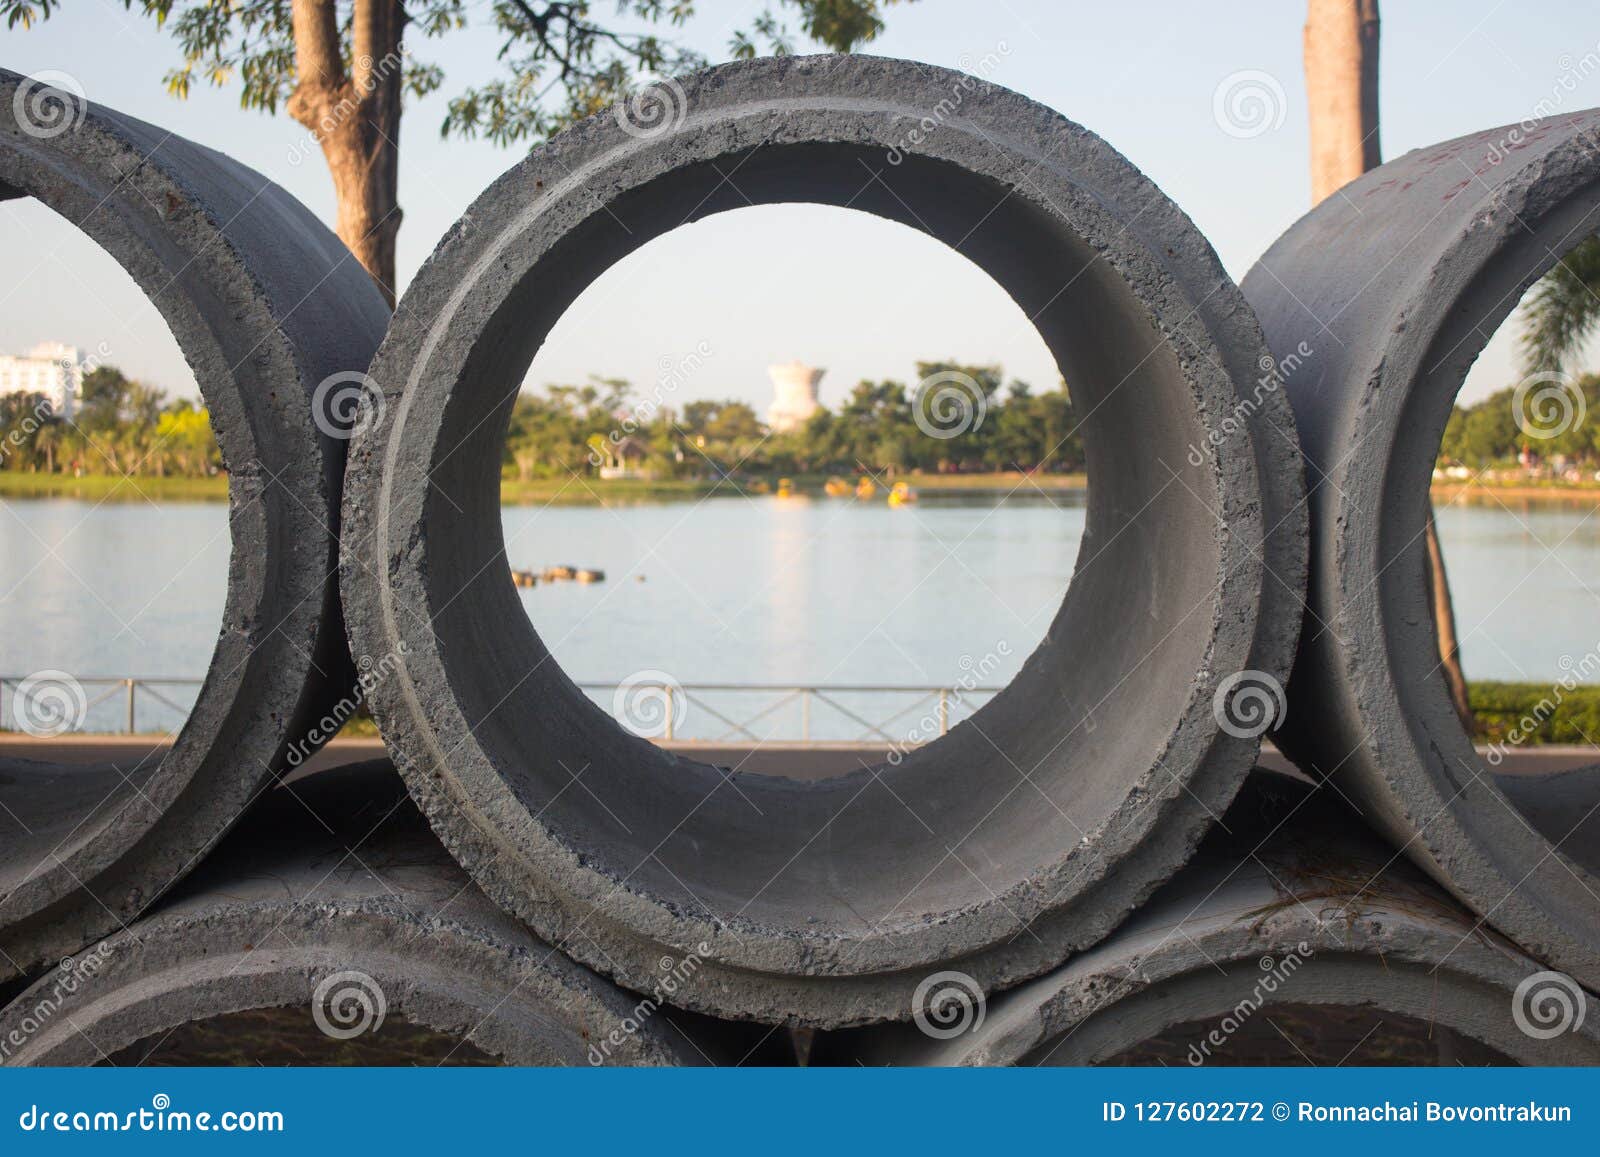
{"type": "Point", "coordinates": [794, 385]}
{"type": "Point", "coordinates": [51, 369]}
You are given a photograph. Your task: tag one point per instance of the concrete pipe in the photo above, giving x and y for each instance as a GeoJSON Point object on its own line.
{"type": "Point", "coordinates": [331, 928]}
{"type": "Point", "coordinates": [1292, 938]}
{"type": "Point", "coordinates": [1384, 295]}
{"type": "Point", "coordinates": [270, 311]}
{"type": "Point", "coordinates": [1026, 833]}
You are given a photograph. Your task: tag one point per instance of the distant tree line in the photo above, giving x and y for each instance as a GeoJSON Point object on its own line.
{"type": "Point", "coordinates": [970, 421]}
{"type": "Point", "coordinates": [124, 426]}
{"type": "Point", "coordinates": [1560, 420]}
{"type": "Point", "coordinates": [119, 426]}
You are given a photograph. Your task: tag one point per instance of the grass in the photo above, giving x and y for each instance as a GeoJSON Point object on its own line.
{"type": "Point", "coordinates": [570, 491]}
{"type": "Point", "coordinates": [999, 480]}
{"type": "Point", "coordinates": [588, 491]}
{"type": "Point", "coordinates": [112, 487]}
{"type": "Point", "coordinates": [592, 490]}
{"type": "Point", "coordinates": [115, 488]}
{"type": "Point", "coordinates": [513, 492]}
{"type": "Point", "coordinates": [1537, 713]}
{"type": "Point", "coordinates": [1485, 492]}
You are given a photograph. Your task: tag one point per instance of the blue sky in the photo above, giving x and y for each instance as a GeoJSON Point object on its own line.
{"type": "Point", "coordinates": [862, 297]}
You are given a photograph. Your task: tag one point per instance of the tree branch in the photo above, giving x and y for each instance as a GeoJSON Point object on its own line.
{"type": "Point", "coordinates": [318, 63]}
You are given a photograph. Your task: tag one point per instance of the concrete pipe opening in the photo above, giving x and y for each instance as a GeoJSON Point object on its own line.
{"type": "Point", "coordinates": [287, 946]}
{"type": "Point", "coordinates": [1293, 926]}
{"type": "Point", "coordinates": [1395, 287]}
{"type": "Point", "coordinates": [1027, 832]}
{"type": "Point", "coordinates": [265, 305]}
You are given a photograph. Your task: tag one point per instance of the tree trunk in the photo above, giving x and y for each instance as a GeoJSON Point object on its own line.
{"type": "Point", "coordinates": [1444, 624]}
{"type": "Point", "coordinates": [1341, 59]}
{"type": "Point", "coordinates": [354, 115]}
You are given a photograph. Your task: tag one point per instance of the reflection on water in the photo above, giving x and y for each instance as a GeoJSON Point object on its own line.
{"type": "Point", "coordinates": [731, 590]}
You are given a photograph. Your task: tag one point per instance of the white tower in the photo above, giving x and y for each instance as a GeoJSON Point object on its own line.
{"type": "Point", "coordinates": [794, 386]}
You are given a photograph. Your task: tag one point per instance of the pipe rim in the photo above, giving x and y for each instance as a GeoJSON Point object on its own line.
{"type": "Point", "coordinates": [560, 886]}
{"type": "Point", "coordinates": [1431, 764]}
{"type": "Point", "coordinates": [516, 1004]}
{"type": "Point", "coordinates": [107, 177]}
{"type": "Point", "coordinates": [1403, 948]}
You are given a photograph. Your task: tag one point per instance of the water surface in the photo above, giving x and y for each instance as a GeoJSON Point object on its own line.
{"type": "Point", "coordinates": [957, 589]}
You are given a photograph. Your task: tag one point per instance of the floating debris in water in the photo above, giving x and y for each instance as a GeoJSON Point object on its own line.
{"type": "Point", "coordinates": [556, 574]}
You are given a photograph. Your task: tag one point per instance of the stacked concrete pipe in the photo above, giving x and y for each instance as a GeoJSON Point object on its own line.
{"type": "Point", "coordinates": [1292, 937]}
{"type": "Point", "coordinates": [1030, 831]}
{"type": "Point", "coordinates": [267, 306]}
{"type": "Point", "coordinates": [330, 928]}
{"type": "Point", "coordinates": [1382, 297]}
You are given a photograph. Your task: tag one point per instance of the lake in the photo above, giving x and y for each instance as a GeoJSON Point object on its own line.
{"type": "Point", "coordinates": [810, 591]}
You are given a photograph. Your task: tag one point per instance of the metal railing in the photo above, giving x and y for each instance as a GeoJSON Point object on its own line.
{"type": "Point", "coordinates": [807, 714]}
{"type": "Point", "coordinates": [110, 705]}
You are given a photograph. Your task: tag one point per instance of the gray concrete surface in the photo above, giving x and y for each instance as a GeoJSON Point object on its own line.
{"type": "Point", "coordinates": [1395, 284]}
{"type": "Point", "coordinates": [1291, 907]}
{"type": "Point", "coordinates": [792, 761]}
{"type": "Point", "coordinates": [265, 304]}
{"type": "Point", "coordinates": [336, 884]}
{"type": "Point", "coordinates": [1027, 833]}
